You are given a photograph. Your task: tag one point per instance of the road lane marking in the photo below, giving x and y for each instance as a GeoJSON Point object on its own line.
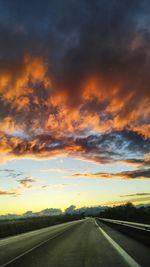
{"type": "Point", "coordinates": [131, 262]}
{"type": "Point", "coordinates": [37, 246]}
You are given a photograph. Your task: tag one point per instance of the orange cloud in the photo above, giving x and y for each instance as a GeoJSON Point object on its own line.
{"type": "Point", "coordinates": [136, 174]}
{"type": "Point", "coordinates": [52, 106]}
{"type": "Point", "coordinates": [8, 193]}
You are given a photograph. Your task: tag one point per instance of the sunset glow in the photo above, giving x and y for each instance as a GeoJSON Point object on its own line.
{"type": "Point", "coordinates": [74, 104]}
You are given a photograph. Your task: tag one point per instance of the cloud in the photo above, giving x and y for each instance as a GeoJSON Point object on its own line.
{"type": "Point", "coordinates": [44, 186]}
{"type": "Point", "coordinates": [116, 147]}
{"type": "Point", "coordinates": [134, 200]}
{"type": "Point", "coordinates": [8, 193]}
{"type": "Point", "coordinates": [11, 173]}
{"type": "Point", "coordinates": [23, 184]}
{"type": "Point", "coordinates": [136, 174]}
{"type": "Point", "coordinates": [74, 80]}
{"type": "Point", "coordinates": [136, 195]}
{"type": "Point", "coordinates": [59, 170]}
{"type": "Point", "coordinates": [27, 182]}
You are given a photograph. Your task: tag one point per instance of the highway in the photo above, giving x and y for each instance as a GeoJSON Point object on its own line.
{"type": "Point", "coordinates": [84, 243]}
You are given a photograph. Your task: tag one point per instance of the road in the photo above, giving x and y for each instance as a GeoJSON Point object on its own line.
{"type": "Point", "coordinates": [83, 243]}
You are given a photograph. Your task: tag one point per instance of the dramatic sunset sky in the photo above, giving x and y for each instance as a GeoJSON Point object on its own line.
{"type": "Point", "coordinates": [74, 103]}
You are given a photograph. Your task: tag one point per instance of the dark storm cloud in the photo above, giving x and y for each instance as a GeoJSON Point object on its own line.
{"type": "Point", "coordinates": [116, 146]}
{"type": "Point", "coordinates": [79, 39]}
{"type": "Point", "coordinates": [104, 49]}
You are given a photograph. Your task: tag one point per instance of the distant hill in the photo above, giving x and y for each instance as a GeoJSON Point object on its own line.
{"type": "Point", "coordinates": [45, 212]}
{"type": "Point", "coordinates": [71, 210]}
{"type": "Point", "coordinates": [87, 211]}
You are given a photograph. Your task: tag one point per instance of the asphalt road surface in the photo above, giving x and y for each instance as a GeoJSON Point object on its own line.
{"type": "Point", "coordinates": [83, 243]}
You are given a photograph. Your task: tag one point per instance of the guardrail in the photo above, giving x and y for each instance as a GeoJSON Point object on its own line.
{"type": "Point", "coordinates": [131, 224]}
{"type": "Point", "coordinates": [138, 231]}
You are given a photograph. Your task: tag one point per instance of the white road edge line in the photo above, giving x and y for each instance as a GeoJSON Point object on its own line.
{"type": "Point", "coordinates": [131, 262]}
{"type": "Point", "coordinates": [29, 250]}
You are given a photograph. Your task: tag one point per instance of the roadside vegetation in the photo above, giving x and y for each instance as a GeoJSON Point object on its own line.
{"type": "Point", "coordinates": [127, 212]}
{"type": "Point", "coordinates": [22, 225]}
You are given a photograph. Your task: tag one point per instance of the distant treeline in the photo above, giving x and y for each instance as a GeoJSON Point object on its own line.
{"type": "Point", "coordinates": [18, 226]}
{"type": "Point", "coordinates": [127, 212]}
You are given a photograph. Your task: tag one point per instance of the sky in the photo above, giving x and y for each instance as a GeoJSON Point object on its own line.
{"type": "Point", "coordinates": [74, 103]}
